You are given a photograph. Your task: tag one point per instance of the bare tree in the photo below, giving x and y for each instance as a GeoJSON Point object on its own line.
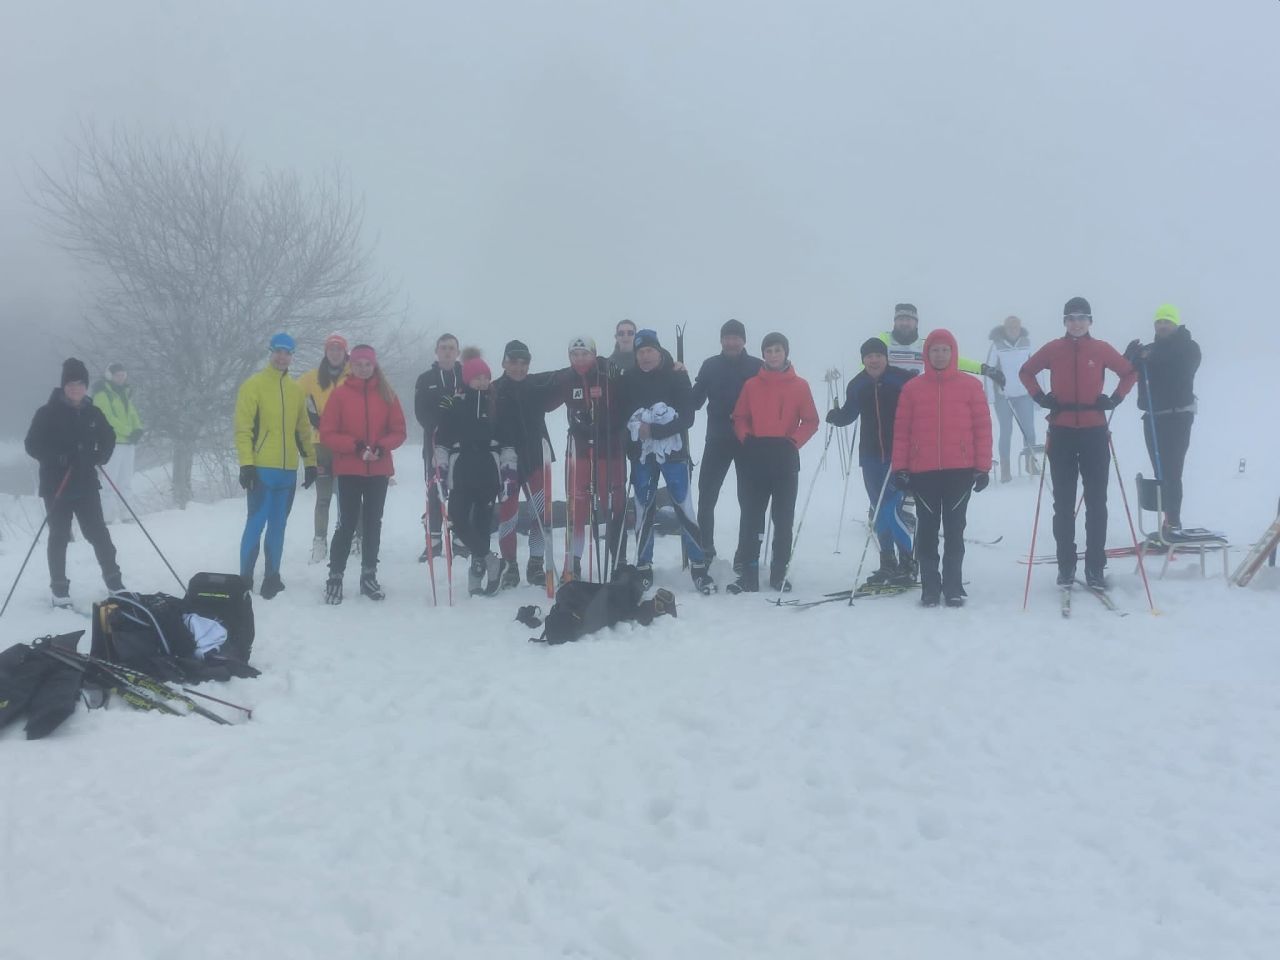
{"type": "Point", "coordinates": [200, 263]}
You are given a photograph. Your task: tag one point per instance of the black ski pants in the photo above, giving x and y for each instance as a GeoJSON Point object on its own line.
{"type": "Point", "coordinates": [1082, 453]}
{"type": "Point", "coordinates": [719, 454]}
{"type": "Point", "coordinates": [1167, 447]}
{"type": "Point", "coordinates": [86, 507]}
{"type": "Point", "coordinates": [360, 504]}
{"type": "Point", "coordinates": [768, 477]}
{"type": "Point", "coordinates": [942, 502]}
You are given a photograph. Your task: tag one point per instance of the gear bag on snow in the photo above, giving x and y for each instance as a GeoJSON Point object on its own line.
{"type": "Point", "coordinates": [37, 686]}
{"type": "Point", "coordinates": [582, 607]}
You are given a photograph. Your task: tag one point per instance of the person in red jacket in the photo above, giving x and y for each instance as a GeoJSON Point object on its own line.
{"type": "Point", "coordinates": [361, 424]}
{"type": "Point", "coordinates": [773, 418]}
{"type": "Point", "coordinates": [1078, 445]}
{"type": "Point", "coordinates": [941, 453]}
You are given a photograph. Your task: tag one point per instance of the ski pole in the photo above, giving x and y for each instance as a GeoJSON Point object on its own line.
{"type": "Point", "coordinates": [102, 470]}
{"type": "Point", "coordinates": [871, 532]}
{"type": "Point", "coordinates": [1124, 496]}
{"type": "Point", "coordinates": [431, 554]}
{"type": "Point", "coordinates": [34, 540]}
{"type": "Point", "coordinates": [1035, 524]}
{"type": "Point", "coordinates": [446, 533]}
{"type": "Point", "coordinates": [1080, 502]}
{"type": "Point", "coordinates": [844, 498]}
{"type": "Point", "coordinates": [782, 587]}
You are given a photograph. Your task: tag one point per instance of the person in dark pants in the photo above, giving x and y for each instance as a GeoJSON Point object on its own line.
{"type": "Point", "coordinates": [1078, 446]}
{"type": "Point", "coordinates": [361, 424]}
{"type": "Point", "coordinates": [71, 438]}
{"type": "Point", "coordinates": [718, 385]}
{"type": "Point", "coordinates": [773, 418]}
{"type": "Point", "coordinates": [1166, 393]}
{"type": "Point", "coordinates": [941, 453]}
{"type": "Point", "coordinates": [444, 379]}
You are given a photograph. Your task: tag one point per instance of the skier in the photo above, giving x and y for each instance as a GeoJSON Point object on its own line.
{"type": "Point", "coordinates": [906, 346]}
{"type": "Point", "coordinates": [529, 396]}
{"type": "Point", "coordinates": [1167, 397]}
{"type": "Point", "coordinates": [658, 401]}
{"type": "Point", "coordinates": [113, 396]}
{"type": "Point", "coordinates": [1010, 349]}
{"type": "Point", "coordinates": [475, 458]}
{"type": "Point", "coordinates": [271, 428]}
{"type": "Point", "coordinates": [70, 438]}
{"type": "Point", "coordinates": [873, 395]}
{"type": "Point", "coordinates": [941, 452]}
{"type": "Point", "coordinates": [318, 384]}
{"type": "Point", "coordinates": [362, 423]}
{"type": "Point", "coordinates": [773, 418]}
{"type": "Point", "coordinates": [1078, 446]}
{"type": "Point", "coordinates": [443, 379]}
{"type": "Point", "coordinates": [623, 358]}
{"type": "Point", "coordinates": [718, 385]}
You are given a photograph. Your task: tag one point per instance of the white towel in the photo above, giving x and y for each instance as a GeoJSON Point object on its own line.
{"type": "Point", "coordinates": [659, 449]}
{"type": "Point", "coordinates": [210, 635]}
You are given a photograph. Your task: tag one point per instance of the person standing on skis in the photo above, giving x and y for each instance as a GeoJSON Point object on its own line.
{"type": "Point", "coordinates": [1078, 445]}
{"type": "Point", "coordinates": [873, 396]}
{"type": "Point", "coordinates": [443, 379]}
{"type": "Point", "coordinates": [1010, 349]}
{"type": "Point", "coordinates": [941, 453]}
{"type": "Point", "coordinates": [1167, 396]}
{"type": "Point", "coordinates": [318, 385]}
{"type": "Point", "coordinates": [774, 417]}
{"type": "Point", "coordinates": [658, 402]}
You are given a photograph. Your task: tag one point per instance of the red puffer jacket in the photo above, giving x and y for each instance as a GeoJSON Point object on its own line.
{"type": "Point", "coordinates": [776, 403]}
{"type": "Point", "coordinates": [357, 412]}
{"type": "Point", "coordinates": [1077, 366]}
{"type": "Point", "coordinates": [942, 422]}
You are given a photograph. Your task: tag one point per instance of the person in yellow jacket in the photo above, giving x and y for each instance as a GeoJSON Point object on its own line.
{"type": "Point", "coordinates": [272, 431]}
{"type": "Point", "coordinates": [317, 385]}
{"type": "Point", "coordinates": [113, 397]}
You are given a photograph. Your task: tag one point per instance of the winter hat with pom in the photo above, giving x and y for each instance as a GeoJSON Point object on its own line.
{"type": "Point", "coordinates": [474, 366]}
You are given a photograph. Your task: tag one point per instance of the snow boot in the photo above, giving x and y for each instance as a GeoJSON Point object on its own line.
{"type": "Point", "coordinates": [61, 598]}
{"type": "Point", "coordinates": [369, 585]}
{"type": "Point", "coordinates": [955, 597]}
{"type": "Point", "coordinates": [475, 576]}
{"type": "Point", "coordinates": [702, 581]}
{"type": "Point", "coordinates": [510, 576]}
{"type": "Point", "coordinates": [748, 580]}
{"type": "Point", "coordinates": [1066, 576]}
{"type": "Point", "coordinates": [929, 598]}
{"type": "Point", "coordinates": [333, 591]}
{"type": "Point", "coordinates": [493, 574]}
{"type": "Point", "coordinates": [114, 583]}
{"type": "Point", "coordinates": [535, 574]}
{"type": "Point", "coordinates": [644, 571]}
{"type": "Point", "coordinates": [271, 585]}
{"type": "Point", "coordinates": [319, 549]}
{"type": "Point", "coordinates": [1095, 580]}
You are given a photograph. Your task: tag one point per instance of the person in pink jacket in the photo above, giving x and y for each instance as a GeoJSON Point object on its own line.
{"type": "Point", "coordinates": [941, 452]}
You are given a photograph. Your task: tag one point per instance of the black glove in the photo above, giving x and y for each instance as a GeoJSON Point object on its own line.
{"type": "Point", "coordinates": [360, 447]}
{"type": "Point", "coordinates": [308, 477]}
{"type": "Point", "coordinates": [249, 477]}
{"type": "Point", "coordinates": [832, 414]}
{"type": "Point", "coordinates": [1048, 401]}
{"type": "Point", "coordinates": [1133, 351]}
{"type": "Point", "coordinates": [980, 480]}
{"type": "Point", "coordinates": [447, 401]}
{"type": "Point", "coordinates": [902, 481]}
{"type": "Point", "coordinates": [996, 375]}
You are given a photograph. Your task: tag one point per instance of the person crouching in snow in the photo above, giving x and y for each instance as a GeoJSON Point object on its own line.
{"type": "Point", "coordinates": [941, 452]}
{"type": "Point", "coordinates": [475, 455]}
{"type": "Point", "coordinates": [361, 424]}
{"type": "Point", "coordinates": [660, 399]}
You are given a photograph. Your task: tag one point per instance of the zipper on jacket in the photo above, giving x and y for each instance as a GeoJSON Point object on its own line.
{"type": "Point", "coordinates": [368, 434]}
{"type": "Point", "coordinates": [939, 372]}
{"type": "Point", "coordinates": [875, 393]}
{"type": "Point", "coordinates": [284, 447]}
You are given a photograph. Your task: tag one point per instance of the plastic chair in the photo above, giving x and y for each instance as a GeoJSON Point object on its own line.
{"type": "Point", "coordinates": [1150, 501]}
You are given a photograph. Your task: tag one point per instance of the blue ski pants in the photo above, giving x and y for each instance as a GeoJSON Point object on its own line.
{"type": "Point", "coordinates": [270, 501]}
{"type": "Point", "coordinates": [892, 524]}
{"type": "Point", "coordinates": [644, 479]}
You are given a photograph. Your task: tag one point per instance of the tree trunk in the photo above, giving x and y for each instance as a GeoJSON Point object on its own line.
{"type": "Point", "coordinates": [183, 457]}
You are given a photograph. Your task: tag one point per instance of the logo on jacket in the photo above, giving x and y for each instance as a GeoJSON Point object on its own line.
{"type": "Point", "coordinates": [577, 393]}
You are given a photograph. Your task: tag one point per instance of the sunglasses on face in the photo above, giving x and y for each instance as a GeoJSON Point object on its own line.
{"type": "Point", "coordinates": [1076, 317]}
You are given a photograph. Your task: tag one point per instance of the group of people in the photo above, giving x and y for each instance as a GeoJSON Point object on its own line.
{"type": "Point", "coordinates": [926, 441]}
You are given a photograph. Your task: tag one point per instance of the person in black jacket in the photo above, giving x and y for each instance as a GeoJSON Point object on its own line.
{"type": "Point", "coordinates": [529, 396]}
{"type": "Point", "coordinates": [717, 385]}
{"type": "Point", "coordinates": [444, 379]}
{"type": "Point", "coordinates": [657, 400]}
{"type": "Point", "coordinates": [475, 456]}
{"type": "Point", "coordinates": [1166, 393]}
{"type": "Point", "coordinates": [71, 438]}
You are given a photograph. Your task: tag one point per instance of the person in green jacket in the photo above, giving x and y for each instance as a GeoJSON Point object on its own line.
{"type": "Point", "coordinates": [113, 396]}
{"type": "Point", "coordinates": [272, 432]}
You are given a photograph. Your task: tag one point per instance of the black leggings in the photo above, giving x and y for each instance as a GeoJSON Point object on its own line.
{"type": "Point", "coordinates": [360, 503]}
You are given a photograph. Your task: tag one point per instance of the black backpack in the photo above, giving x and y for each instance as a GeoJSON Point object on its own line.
{"type": "Point", "coordinates": [225, 597]}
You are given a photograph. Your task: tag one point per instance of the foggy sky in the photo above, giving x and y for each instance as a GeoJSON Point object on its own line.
{"type": "Point", "coordinates": [537, 169]}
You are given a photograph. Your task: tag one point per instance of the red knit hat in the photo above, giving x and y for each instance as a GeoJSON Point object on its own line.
{"type": "Point", "coordinates": [337, 338]}
{"type": "Point", "coordinates": [475, 367]}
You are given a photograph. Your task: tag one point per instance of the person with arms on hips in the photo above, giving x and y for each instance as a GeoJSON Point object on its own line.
{"type": "Point", "coordinates": [873, 396]}
{"type": "Point", "coordinates": [272, 434]}
{"type": "Point", "coordinates": [623, 358]}
{"type": "Point", "coordinates": [1167, 396]}
{"type": "Point", "coordinates": [70, 438]}
{"type": "Point", "coordinates": [906, 346]}
{"type": "Point", "coordinates": [443, 379]}
{"type": "Point", "coordinates": [362, 423]}
{"type": "Point", "coordinates": [1078, 446]}
{"type": "Point", "coordinates": [774, 417]}
{"type": "Point", "coordinates": [660, 401]}
{"type": "Point", "coordinates": [941, 453]}
{"type": "Point", "coordinates": [114, 397]}
{"type": "Point", "coordinates": [719, 384]}
{"type": "Point", "coordinates": [1010, 349]}
{"type": "Point", "coordinates": [318, 385]}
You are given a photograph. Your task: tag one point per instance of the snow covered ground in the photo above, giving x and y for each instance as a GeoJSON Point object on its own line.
{"type": "Point", "coordinates": [744, 781]}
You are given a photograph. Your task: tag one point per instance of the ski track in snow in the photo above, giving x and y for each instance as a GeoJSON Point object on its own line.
{"type": "Point", "coordinates": [742, 781]}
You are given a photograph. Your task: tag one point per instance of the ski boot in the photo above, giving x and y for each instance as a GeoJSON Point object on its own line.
{"type": "Point", "coordinates": [702, 581]}
{"type": "Point", "coordinates": [1066, 576]}
{"type": "Point", "coordinates": [930, 598]}
{"type": "Point", "coordinates": [493, 574]}
{"type": "Point", "coordinates": [475, 576]}
{"type": "Point", "coordinates": [433, 550]}
{"type": "Point", "coordinates": [889, 569]}
{"type": "Point", "coordinates": [905, 574]}
{"type": "Point", "coordinates": [644, 573]}
{"type": "Point", "coordinates": [510, 575]}
{"type": "Point", "coordinates": [535, 574]}
{"type": "Point", "coordinates": [333, 590]}
{"type": "Point", "coordinates": [319, 549]}
{"type": "Point", "coordinates": [271, 585]}
{"type": "Point", "coordinates": [955, 597]}
{"type": "Point", "coordinates": [369, 585]}
{"type": "Point", "coordinates": [1096, 580]}
{"type": "Point", "coordinates": [748, 580]}
{"type": "Point", "coordinates": [61, 598]}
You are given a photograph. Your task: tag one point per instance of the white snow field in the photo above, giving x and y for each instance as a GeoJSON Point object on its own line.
{"type": "Point", "coordinates": [741, 782]}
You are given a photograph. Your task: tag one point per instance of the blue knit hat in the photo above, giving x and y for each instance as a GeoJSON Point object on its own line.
{"type": "Point", "coordinates": [647, 338]}
{"type": "Point", "coordinates": [282, 341]}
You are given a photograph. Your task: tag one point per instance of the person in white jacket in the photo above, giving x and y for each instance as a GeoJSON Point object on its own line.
{"type": "Point", "coordinates": [1010, 349]}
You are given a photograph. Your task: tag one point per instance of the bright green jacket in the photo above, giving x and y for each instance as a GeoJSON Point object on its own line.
{"type": "Point", "coordinates": [272, 428]}
{"type": "Point", "coordinates": [117, 406]}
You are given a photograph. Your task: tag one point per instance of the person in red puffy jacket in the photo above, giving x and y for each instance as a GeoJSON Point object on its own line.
{"type": "Point", "coordinates": [941, 452]}
{"type": "Point", "coordinates": [361, 424]}
{"type": "Point", "coordinates": [773, 418]}
{"type": "Point", "coordinates": [1079, 442]}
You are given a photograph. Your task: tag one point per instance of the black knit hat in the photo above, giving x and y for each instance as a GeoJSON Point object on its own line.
{"type": "Point", "coordinates": [733, 328]}
{"type": "Point", "coordinates": [516, 350]}
{"type": "Point", "coordinates": [74, 371]}
{"type": "Point", "coordinates": [1077, 305]}
{"type": "Point", "coordinates": [874, 345]}
{"type": "Point", "coordinates": [774, 340]}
